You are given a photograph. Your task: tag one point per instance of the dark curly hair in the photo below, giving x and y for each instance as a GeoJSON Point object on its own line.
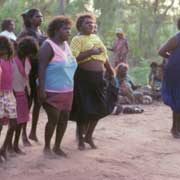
{"type": "Point", "coordinates": [6, 46]}
{"type": "Point", "coordinates": [27, 47]}
{"type": "Point", "coordinates": [153, 65]}
{"type": "Point", "coordinates": [82, 17]}
{"type": "Point", "coordinates": [6, 23]}
{"type": "Point", "coordinates": [57, 23]}
{"type": "Point", "coordinates": [28, 15]}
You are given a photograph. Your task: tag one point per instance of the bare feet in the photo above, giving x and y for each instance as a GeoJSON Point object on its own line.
{"type": "Point", "coordinates": [90, 142]}
{"type": "Point", "coordinates": [19, 151]}
{"type": "Point", "coordinates": [1, 159]}
{"type": "Point", "coordinates": [10, 149]}
{"type": "Point", "coordinates": [47, 152]}
{"type": "Point", "coordinates": [33, 137]}
{"type": "Point", "coordinates": [25, 141]}
{"type": "Point", "coordinates": [81, 145]}
{"type": "Point", "coordinates": [3, 154]}
{"type": "Point", "coordinates": [59, 152]}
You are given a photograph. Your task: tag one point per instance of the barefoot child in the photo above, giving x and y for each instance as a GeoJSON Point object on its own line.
{"type": "Point", "coordinates": [7, 99]}
{"type": "Point", "coordinates": [27, 47]}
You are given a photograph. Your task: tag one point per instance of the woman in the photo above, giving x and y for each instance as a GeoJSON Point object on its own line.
{"type": "Point", "coordinates": [171, 80]}
{"type": "Point", "coordinates": [120, 48]}
{"type": "Point", "coordinates": [56, 71]}
{"type": "Point", "coordinates": [89, 104]}
{"type": "Point", "coordinates": [32, 21]}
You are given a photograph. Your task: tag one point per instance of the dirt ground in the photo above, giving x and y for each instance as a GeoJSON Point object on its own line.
{"type": "Point", "coordinates": [130, 147]}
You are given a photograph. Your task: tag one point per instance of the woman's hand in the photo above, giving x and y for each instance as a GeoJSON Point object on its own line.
{"type": "Point", "coordinates": [110, 69]}
{"type": "Point", "coordinates": [96, 51]}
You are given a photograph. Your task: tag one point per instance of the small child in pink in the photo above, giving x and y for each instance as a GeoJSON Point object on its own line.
{"type": "Point", "coordinates": [26, 48]}
{"type": "Point", "coordinates": [7, 99]}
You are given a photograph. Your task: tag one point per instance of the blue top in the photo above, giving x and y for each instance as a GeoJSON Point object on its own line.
{"type": "Point", "coordinates": [171, 79]}
{"type": "Point", "coordinates": [59, 76]}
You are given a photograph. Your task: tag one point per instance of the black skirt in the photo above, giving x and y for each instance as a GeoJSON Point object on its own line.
{"type": "Point", "coordinates": [92, 98]}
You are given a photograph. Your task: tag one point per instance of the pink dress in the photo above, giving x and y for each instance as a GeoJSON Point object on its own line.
{"type": "Point", "coordinates": [20, 81]}
{"type": "Point", "coordinates": [120, 51]}
{"type": "Point", "coordinates": [7, 99]}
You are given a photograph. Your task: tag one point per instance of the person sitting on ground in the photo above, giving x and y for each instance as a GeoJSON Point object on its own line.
{"type": "Point", "coordinates": [129, 93]}
{"type": "Point", "coordinates": [155, 79]}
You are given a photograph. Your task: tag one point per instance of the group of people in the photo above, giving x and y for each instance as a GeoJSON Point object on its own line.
{"type": "Point", "coordinates": [68, 81]}
{"type": "Point", "coordinates": [43, 70]}
{"type": "Point", "coordinates": [18, 74]}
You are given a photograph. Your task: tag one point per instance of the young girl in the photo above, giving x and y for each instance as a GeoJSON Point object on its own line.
{"type": "Point", "coordinates": [7, 99]}
{"type": "Point", "coordinates": [26, 48]}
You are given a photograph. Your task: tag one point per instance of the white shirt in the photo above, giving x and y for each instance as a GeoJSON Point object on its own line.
{"type": "Point", "coordinates": [9, 35]}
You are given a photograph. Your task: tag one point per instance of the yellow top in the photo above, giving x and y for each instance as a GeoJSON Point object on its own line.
{"type": "Point", "coordinates": [82, 43]}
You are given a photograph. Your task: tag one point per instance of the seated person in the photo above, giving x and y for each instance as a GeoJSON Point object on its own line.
{"type": "Point", "coordinates": [129, 93]}
{"type": "Point", "coordinates": [155, 79]}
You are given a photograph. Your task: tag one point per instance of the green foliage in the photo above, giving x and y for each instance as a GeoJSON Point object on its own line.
{"type": "Point", "coordinates": [140, 73]}
{"type": "Point", "coordinates": [146, 23]}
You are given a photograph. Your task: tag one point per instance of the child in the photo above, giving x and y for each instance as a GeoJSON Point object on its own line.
{"type": "Point", "coordinates": [155, 79]}
{"type": "Point", "coordinates": [7, 99]}
{"type": "Point", "coordinates": [26, 48]}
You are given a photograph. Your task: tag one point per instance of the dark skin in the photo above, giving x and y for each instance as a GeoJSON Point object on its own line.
{"type": "Point", "coordinates": [92, 65]}
{"type": "Point", "coordinates": [11, 27]}
{"type": "Point", "coordinates": [120, 36]}
{"type": "Point", "coordinates": [57, 119]}
{"type": "Point", "coordinates": [1, 160]}
{"type": "Point", "coordinates": [36, 22]}
{"type": "Point", "coordinates": [11, 129]}
{"type": "Point", "coordinates": [14, 147]}
{"type": "Point", "coordinates": [165, 52]}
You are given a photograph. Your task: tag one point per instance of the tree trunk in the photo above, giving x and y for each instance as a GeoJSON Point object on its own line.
{"type": "Point", "coordinates": [61, 7]}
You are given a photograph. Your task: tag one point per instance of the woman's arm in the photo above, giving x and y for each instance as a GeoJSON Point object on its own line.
{"type": "Point", "coordinates": [168, 47]}
{"type": "Point", "coordinates": [88, 53]}
{"type": "Point", "coordinates": [109, 68]}
{"type": "Point", "coordinates": [45, 55]}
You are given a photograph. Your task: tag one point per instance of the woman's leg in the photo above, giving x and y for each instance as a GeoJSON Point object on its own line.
{"type": "Point", "coordinates": [88, 138]}
{"type": "Point", "coordinates": [16, 139]}
{"type": "Point", "coordinates": [80, 133]}
{"type": "Point", "coordinates": [8, 138]}
{"type": "Point", "coordinates": [25, 139]}
{"type": "Point", "coordinates": [60, 130]}
{"type": "Point", "coordinates": [53, 116]}
{"type": "Point", "coordinates": [35, 117]}
{"type": "Point", "coordinates": [175, 130]}
{"type": "Point", "coordinates": [0, 128]}
{"type": "Point", "coordinates": [1, 160]}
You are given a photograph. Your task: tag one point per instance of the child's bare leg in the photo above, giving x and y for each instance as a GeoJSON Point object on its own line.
{"type": "Point", "coordinates": [25, 139]}
{"type": "Point", "coordinates": [10, 145]}
{"type": "Point", "coordinates": [60, 130]}
{"type": "Point", "coordinates": [88, 138]}
{"type": "Point", "coordinates": [16, 139]}
{"type": "Point", "coordinates": [1, 160]}
{"type": "Point", "coordinates": [35, 117]}
{"type": "Point", "coordinates": [53, 116]}
{"type": "Point", "coordinates": [1, 128]}
{"type": "Point", "coordinates": [8, 138]}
